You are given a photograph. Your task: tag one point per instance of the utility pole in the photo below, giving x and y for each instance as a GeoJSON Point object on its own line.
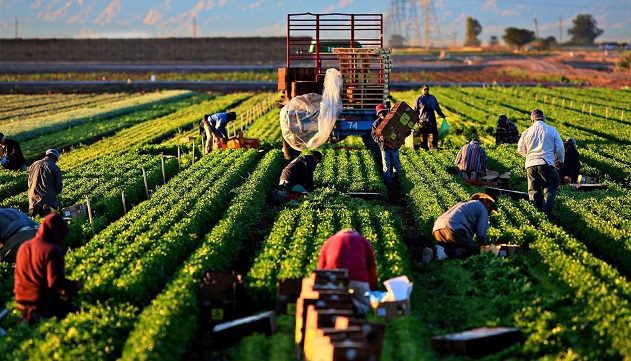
{"type": "Point", "coordinates": [194, 26]}
{"type": "Point", "coordinates": [16, 27]}
{"type": "Point", "coordinates": [560, 29]}
{"type": "Point", "coordinates": [427, 5]}
{"type": "Point", "coordinates": [536, 29]}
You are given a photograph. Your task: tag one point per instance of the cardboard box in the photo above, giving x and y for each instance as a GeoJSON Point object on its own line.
{"type": "Point", "coordinates": [287, 293]}
{"type": "Point", "coordinates": [495, 178]}
{"type": "Point", "coordinates": [478, 342]}
{"type": "Point", "coordinates": [397, 125]}
{"type": "Point", "coordinates": [582, 179]}
{"type": "Point", "coordinates": [75, 211]}
{"type": "Point", "coordinates": [319, 318]}
{"type": "Point", "coordinates": [221, 297]}
{"type": "Point", "coordinates": [390, 310]}
{"type": "Point", "coordinates": [343, 351]}
{"type": "Point", "coordinates": [502, 250]}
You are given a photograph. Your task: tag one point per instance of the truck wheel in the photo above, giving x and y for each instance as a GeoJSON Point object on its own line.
{"type": "Point", "coordinates": [289, 152]}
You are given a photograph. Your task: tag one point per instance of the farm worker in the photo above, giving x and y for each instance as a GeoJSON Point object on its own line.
{"type": "Point", "coordinates": [541, 144]}
{"type": "Point", "coordinates": [40, 279]}
{"type": "Point", "coordinates": [11, 154]}
{"type": "Point", "coordinates": [298, 174]}
{"type": "Point", "coordinates": [215, 127]}
{"type": "Point", "coordinates": [15, 229]}
{"type": "Point", "coordinates": [425, 105]}
{"type": "Point", "coordinates": [506, 132]}
{"type": "Point", "coordinates": [44, 184]}
{"type": "Point", "coordinates": [471, 160]}
{"type": "Point", "coordinates": [454, 229]}
{"type": "Point", "coordinates": [390, 162]}
{"type": "Point", "coordinates": [350, 250]}
{"type": "Point", "coordinates": [572, 165]}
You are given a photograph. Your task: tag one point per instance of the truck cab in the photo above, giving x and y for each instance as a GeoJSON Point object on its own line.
{"type": "Point", "coordinates": [351, 43]}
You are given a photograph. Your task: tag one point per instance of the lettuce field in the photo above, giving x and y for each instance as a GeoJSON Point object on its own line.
{"type": "Point", "coordinates": [163, 214]}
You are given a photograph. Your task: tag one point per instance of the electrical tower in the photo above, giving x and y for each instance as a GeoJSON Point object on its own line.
{"type": "Point", "coordinates": [414, 20]}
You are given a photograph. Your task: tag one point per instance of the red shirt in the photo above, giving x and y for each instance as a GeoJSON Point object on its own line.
{"type": "Point", "coordinates": [350, 250]}
{"type": "Point", "coordinates": [39, 265]}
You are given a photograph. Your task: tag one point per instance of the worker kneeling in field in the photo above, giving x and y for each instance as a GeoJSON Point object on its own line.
{"type": "Point", "coordinates": [471, 160]}
{"type": "Point", "coordinates": [350, 250]}
{"type": "Point", "coordinates": [454, 229]}
{"type": "Point", "coordinates": [40, 282]}
{"type": "Point", "coordinates": [15, 229]}
{"type": "Point", "coordinates": [215, 127]}
{"type": "Point", "coordinates": [298, 174]}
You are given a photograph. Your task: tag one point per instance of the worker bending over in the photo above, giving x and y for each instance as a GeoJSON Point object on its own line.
{"type": "Point", "coordinates": [15, 229]}
{"type": "Point", "coordinates": [471, 160]}
{"type": "Point", "coordinates": [454, 229]}
{"type": "Point", "coordinates": [11, 154]}
{"type": "Point", "coordinates": [215, 128]}
{"type": "Point", "coordinates": [40, 280]}
{"type": "Point", "coordinates": [298, 174]}
{"type": "Point", "coordinates": [350, 250]}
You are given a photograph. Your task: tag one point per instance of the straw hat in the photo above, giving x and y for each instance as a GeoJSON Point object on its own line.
{"type": "Point", "coordinates": [477, 196]}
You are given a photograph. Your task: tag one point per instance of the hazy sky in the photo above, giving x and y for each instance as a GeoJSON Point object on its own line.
{"type": "Point", "coordinates": [214, 18]}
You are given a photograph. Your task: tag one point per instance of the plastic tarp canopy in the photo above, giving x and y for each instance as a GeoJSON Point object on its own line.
{"type": "Point", "coordinates": [307, 120]}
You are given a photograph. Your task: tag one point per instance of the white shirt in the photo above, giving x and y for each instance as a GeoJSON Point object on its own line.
{"type": "Point", "coordinates": [540, 144]}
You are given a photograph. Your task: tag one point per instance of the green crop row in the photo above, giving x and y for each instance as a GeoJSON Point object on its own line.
{"type": "Point", "coordinates": [26, 129]}
{"type": "Point", "coordinates": [168, 323]}
{"type": "Point", "coordinates": [19, 106]}
{"type": "Point", "coordinates": [353, 171]}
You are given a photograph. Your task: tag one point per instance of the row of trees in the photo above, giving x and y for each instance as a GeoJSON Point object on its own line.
{"type": "Point", "coordinates": [583, 31]}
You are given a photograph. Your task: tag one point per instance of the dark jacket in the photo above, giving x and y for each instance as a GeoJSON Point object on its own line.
{"type": "Point", "coordinates": [572, 164]}
{"type": "Point", "coordinates": [44, 183]}
{"type": "Point", "coordinates": [39, 266]}
{"type": "Point", "coordinates": [300, 171]}
{"type": "Point", "coordinates": [425, 106]}
{"type": "Point", "coordinates": [14, 155]}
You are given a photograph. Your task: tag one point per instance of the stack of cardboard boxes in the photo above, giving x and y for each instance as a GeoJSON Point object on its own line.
{"type": "Point", "coordinates": [325, 328]}
{"type": "Point", "coordinates": [298, 81]}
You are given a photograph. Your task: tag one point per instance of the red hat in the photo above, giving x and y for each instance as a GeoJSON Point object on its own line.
{"type": "Point", "coordinates": [380, 108]}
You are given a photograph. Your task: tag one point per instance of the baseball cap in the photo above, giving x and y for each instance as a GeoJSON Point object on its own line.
{"type": "Point", "coordinates": [503, 118]}
{"type": "Point", "coordinates": [53, 152]}
{"type": "Point", "coordinates": [425, 86]}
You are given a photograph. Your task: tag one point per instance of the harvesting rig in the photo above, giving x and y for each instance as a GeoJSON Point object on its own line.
{"type": "Point", "coordinates": [351, 43]}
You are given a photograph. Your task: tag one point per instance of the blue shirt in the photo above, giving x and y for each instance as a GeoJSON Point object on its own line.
{"type": "Point", "coordinates": [471, 216]}
{"type": "Point", "coordinates": [218, 123]}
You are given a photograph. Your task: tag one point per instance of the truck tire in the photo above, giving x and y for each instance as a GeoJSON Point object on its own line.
{"type": "Point", "coordinates": [289, 152]}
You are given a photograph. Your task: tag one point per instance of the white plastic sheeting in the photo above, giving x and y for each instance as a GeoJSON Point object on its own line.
{"type": "Point", "coordinates": [307, 120]}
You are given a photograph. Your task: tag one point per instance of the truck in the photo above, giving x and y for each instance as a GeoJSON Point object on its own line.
{"type": "Point", "coordinates": [351, 43]}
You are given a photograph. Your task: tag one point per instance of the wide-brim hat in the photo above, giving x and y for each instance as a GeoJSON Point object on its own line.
{"type": "Point", "coordinates": [477, 196]}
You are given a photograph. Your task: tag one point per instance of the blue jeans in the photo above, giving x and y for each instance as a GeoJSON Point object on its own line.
{"type": "Point", "coordinates": [390, 164]}
{"type": "Point", "coordinates": [543, 183]}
